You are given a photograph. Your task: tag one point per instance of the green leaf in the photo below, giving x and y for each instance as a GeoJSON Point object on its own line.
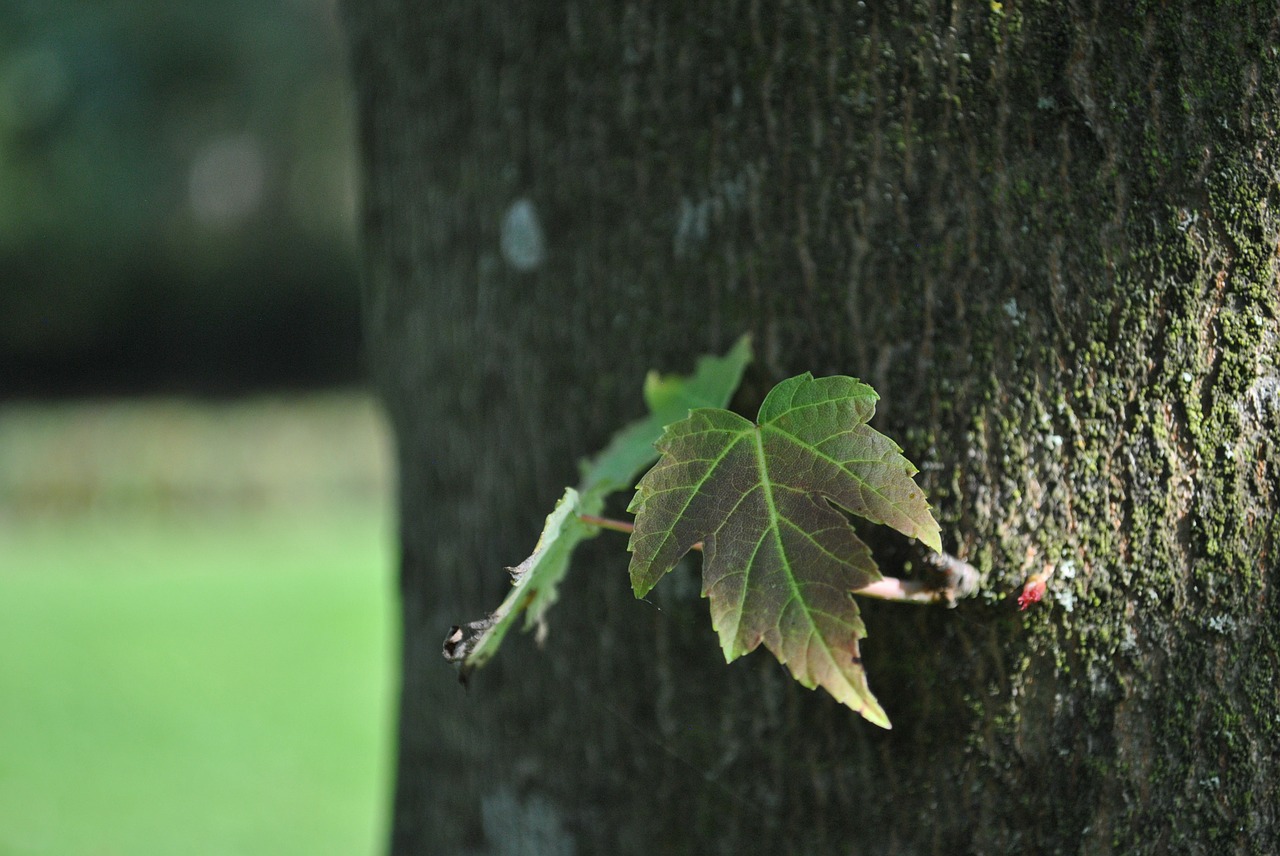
{"type": "Point", "coordinates": [779, 561]}
{"type": "Point", "coordinates": [669, 398]}
{"type": "Point", "coordinates": [536, 579]}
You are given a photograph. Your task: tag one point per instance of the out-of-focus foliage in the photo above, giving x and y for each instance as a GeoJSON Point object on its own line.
{"type": "Point", "coordinates": [176, 195]}
{"type": "Point", "coordinates": [169, 455]}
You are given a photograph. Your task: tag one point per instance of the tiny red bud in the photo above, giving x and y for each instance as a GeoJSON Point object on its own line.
{"type": "Point", "coordinates": [1032, 592]}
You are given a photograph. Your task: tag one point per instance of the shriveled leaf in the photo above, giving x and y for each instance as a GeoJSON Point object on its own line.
{"type": "Point", "coordinates": [533, 588]}
{"type": "Point", "coordinates": [779, 561]}
{"type": "Point", "coordinates": [536, 579]}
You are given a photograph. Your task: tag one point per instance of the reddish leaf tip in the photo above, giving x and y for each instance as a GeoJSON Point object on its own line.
{"type": "Point", "coordinates": [1032, 592]}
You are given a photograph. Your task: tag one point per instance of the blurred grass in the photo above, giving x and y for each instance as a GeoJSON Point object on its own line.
{"type": "Point", "coordinates": [195, 628]}
{"type": "Point", "coordinates": [159, 455]}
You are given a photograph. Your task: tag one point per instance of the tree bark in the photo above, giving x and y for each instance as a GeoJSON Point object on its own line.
{"type": "Point", "coordinates": [1047, 233]}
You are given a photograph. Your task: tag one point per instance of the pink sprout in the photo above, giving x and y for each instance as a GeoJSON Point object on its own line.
{"type": "Point", "coordinates": [1032, 592]}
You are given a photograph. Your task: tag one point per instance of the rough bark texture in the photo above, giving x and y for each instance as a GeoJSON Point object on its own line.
{"type": "Point", "coordinates": [1045, 232]}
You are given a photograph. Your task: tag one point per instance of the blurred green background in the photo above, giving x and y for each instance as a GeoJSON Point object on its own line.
{"type": "Point", "coordinates": [196, 609]}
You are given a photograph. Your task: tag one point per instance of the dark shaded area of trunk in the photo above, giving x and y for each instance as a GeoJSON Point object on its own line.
{"type": "Point", "coordinates": [1046, 234]}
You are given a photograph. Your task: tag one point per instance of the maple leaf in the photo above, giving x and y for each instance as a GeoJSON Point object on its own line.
{"type": "Point", "coordinates": [779, 560]}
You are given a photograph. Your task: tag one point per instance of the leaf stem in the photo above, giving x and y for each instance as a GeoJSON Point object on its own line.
{"type": "Point", "coordinates": [616, 525]}
{"type": "Point", "coordinates": [959, 577]}
{"type": "Point", "coordinates": [607, 523]}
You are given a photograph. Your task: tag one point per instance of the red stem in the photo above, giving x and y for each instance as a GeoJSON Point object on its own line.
{"type": "Point", "coordinates": [607, 523]}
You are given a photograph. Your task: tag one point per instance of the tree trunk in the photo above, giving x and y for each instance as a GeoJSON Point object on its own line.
{"type": "Point", "coordinates": [1047, 235]}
